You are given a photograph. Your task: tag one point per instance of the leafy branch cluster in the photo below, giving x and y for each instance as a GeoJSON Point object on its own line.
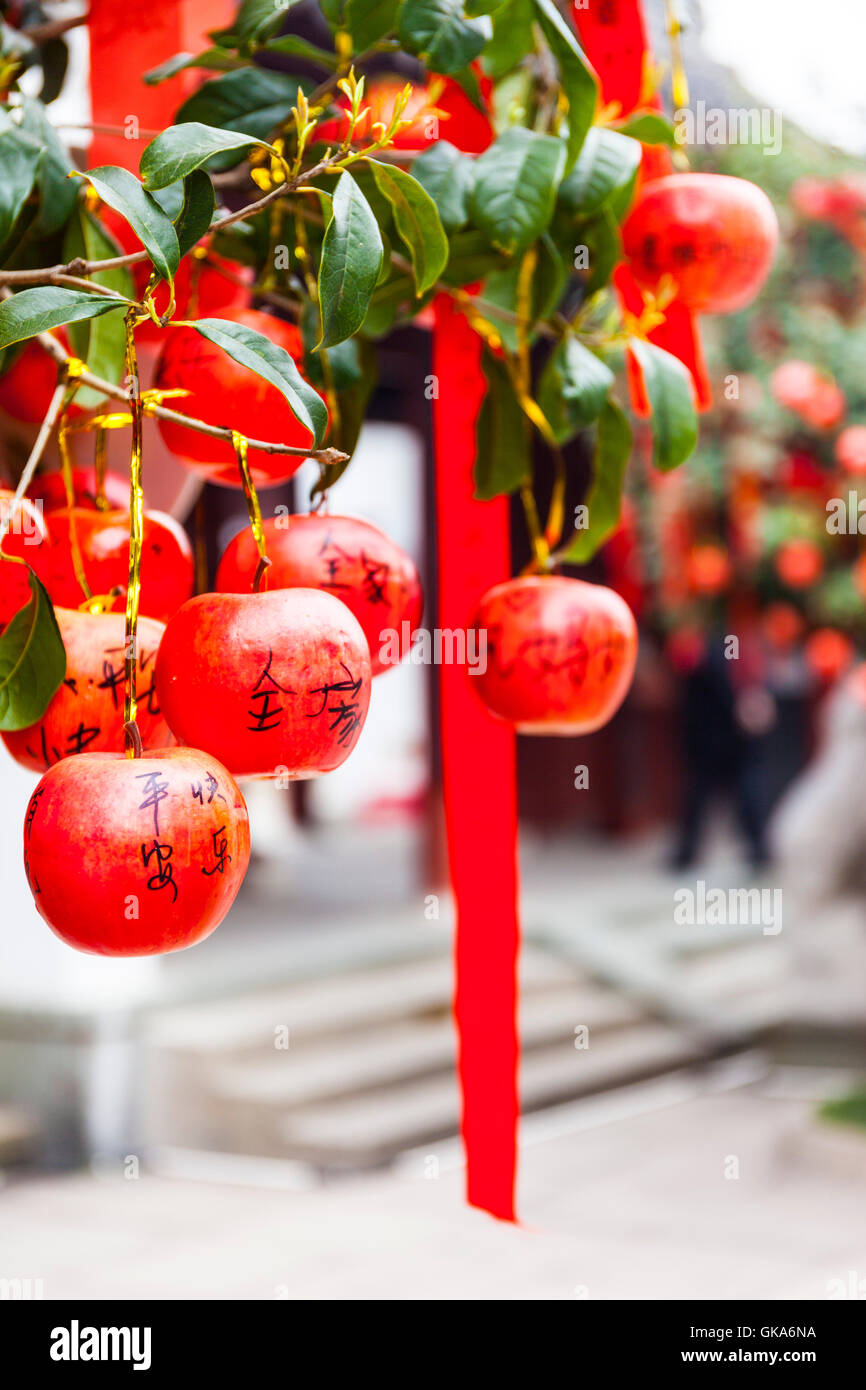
{"type": "Point", "coordinates": [350, 242]}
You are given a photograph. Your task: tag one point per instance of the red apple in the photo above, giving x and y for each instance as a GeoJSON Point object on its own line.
{"type": "Point", "coordinates": [715, 235]}
{"type": "Point", "coordinates": [560, 653]}
{"type": "Point", "coordinates": [50, 489]}
{"type": "Point", "coordinates": [136, 856]}
{"type": "Point", "coordinates": [346, 556]}
{"type": "Point", "coordinates": [86, 714]}
{"type": "Point", "coordinates": [278, 683]}
{"type": "Point", "coordinates": [27, 534]}
{"type": "Point", "coordinates": [224, 393]}
{"type": "Point", "coordinates": [206, 284]}
{"type": "Point", "coordinates": [28, 385]}
{"type": "Point", "coordinates": [167, 571]}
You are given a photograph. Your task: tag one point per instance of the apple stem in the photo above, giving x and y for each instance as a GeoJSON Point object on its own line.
{"type": "Point", "coordinates": [263, 565]}
{"type": "Point", "coordinates": [133, 738]}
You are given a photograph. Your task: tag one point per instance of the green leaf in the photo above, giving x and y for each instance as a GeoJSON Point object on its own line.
{"type": "Point", "coordinates": [353, 403]}
{"type": "Point", "coordinates": [57, 192]}
{"type": "Point", "coordinates": [416, 218]}
{"type": "Point", "coordinates": [607, 162]}
{"type": "Point", "coordinates": [252, 100]}
{"type": "Point", "coordinates": [196, 214]}
{"type": "Point", "coordinates": [20, 155]}
{"type": "Point", "coordinates": [601, 237]}
{"type": "Point", "coordinates": [32, 661]}
{"type": "Point", "coordinates": [99, 342]}
{"type": "Point", "coordinates": [439, 32]}
{"type": "Point", "coordinates": [368, 21]}
{"type": "Point", "coordinates": [122, 191]}
{"type": "Point", "coordinates": [212, 59]}
{"type": "Point", "coordinates": [471, 258]}
{"type": "Point", "coordinates": [350, 263]}
{"type": "Point", "coordinates": [38, 310]}
{"type": "Point", "coordinates": [548, 285]}
{"type": "Point", "coordinates": [514, 191]}
{"type": "Point", "coordinates": [669, 387]}
{"type": "Point", "coordinates": [502, 461]}
{"type": "Point", "coordinates": [578, 81]}
{"type": "Point", "coordinates": [512, 38]}
{"type": "Point", "coordinates": [301, 48]}
{"type": "Point", "coordinates": [650, 128]}
{"type": "Point", "coordinates": [255, 20]}
{"type": "Point", "coordinates": [254, 350]}
{"type": "Point", "coordinates": [446, 175]}
{"type": "Point", "coordinates": [604, 499]}
{"type": "Point", "coordinates": [573, 388]}
{"type": "Point", "coordinates": [182, 148]}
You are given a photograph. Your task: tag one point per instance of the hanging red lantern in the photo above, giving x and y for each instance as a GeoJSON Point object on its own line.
{"type": "Point", "coordinates": [850, 449]}
{"type": "Point", "coordinates": [715, 235]}
{"type": "Point", "coordinates": [799, 563]}
{"type": "Point", "coordinates": [829, 653]}
{"type": "Point", "coordinates": [708, 570]}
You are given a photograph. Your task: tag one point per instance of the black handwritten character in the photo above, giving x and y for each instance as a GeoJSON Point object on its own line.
{"type": "Point", "coordinates": [267, 716]}
{"type": "Point", "coordinates": [156, 792]}
{"type": "Point", "coordinates": [48, 755]}
{"type": "Point", "coordinates": [32, 808]}
{"type": "Point", "coordinates": [211, 787]}
{"type": "Point", "coordinates": [81, 738]}
{"type": "Point", "coordinates": [164, 875]}
{"type": "Point", "coordinates": [112, 677]}
{"type": "Point", "coordinates": [220, 851]}
{"type": "Point", "coordinates": [346, 712]}
{"type": "Point", "coordinates": [376, 576]}
{"type": "Point", "coordinates": [334, 556]}
{"type": "Point", "coordinates": [72, 684]}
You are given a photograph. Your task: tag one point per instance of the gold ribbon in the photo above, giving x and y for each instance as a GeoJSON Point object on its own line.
{"type": "Point", "coordinates": [136, 523]}
{"type": "Point", "coordinates": [239, 443]}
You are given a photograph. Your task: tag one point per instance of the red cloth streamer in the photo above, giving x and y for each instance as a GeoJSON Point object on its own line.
{"type": "Point", "coordinates": [479, 775]}
{"type": "Point", "coordinates": [677, 335]}
{"type": "Point", "coordinates": [613, 36]}
{"type": "Point", "coordinates": [128, 39]}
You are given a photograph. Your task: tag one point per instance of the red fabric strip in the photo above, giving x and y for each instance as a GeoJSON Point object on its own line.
{"type": "Point", "coordinates": [480, 784]}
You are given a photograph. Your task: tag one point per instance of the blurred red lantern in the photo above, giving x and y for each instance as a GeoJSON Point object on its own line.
{"type": "Point", "coordinates": [708, 569]}
{"type": "Point", "coordinates": [828, 652]}
{"type": "Point", "coordinates": [858, 574]}
{"type": "Point", "coordinates": [799, 563]}
{"type": "Point", "coordinates": [716, 236]}
{"type": "Point", "coordinates": [783, 625]}
{"type": "Point", "coordinates": [816, 398]}
{"type": "Point", "coordinates": [851, 449]}
{"type": "Point", "coordinates": [685, 649]}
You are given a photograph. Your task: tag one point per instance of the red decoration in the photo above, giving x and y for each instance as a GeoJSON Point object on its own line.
{"type": "Point", "coordinates": [103, 543]}
{"type": "Point", "coordinates": [224, 393]}
{"type": "Point", "coordinates": [560, 653]}
{"type": "Point", "coordinates": [174, 823]}
{"type": "Point", "coordinates": [27, 535]}
{"type": "Point", "coordinates": [714, 235]}
{"type": "Point", "coordinates": [678, 334]}
{"type": "Point", "coordinates": [86, 714]}
{"type": "Point", "coordinates": [278, 684]}
{"type": "Point", "coordinates": [479, 782]}
{"type": "Point", "coordinates": [345, 556]}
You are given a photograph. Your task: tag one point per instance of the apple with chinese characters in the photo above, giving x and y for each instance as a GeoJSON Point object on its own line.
{"type": "Point", "coordinates": [275, 684]}
{"type": "Point", "coordinates": [136, 856]}
{"type": "Point", "coordinates": [86, 714]}
{"type": "Point", "coordinates": [561, 653]}
{"type": "Point", "coordinates": [345, 556]}
{"type": "Point", "coordinates": [167, 571]}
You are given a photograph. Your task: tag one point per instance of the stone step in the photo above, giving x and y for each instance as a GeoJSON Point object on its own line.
{"type": "Point", "coordinates": [338, 1067]}
{"type": "Point", "coordinates": [353, 1001]}
{"type": "Point", "coordinates": [373, 1128]}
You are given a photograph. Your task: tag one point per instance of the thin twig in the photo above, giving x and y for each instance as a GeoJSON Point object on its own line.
{"type": "Point", "coordinates": [53, 28]}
